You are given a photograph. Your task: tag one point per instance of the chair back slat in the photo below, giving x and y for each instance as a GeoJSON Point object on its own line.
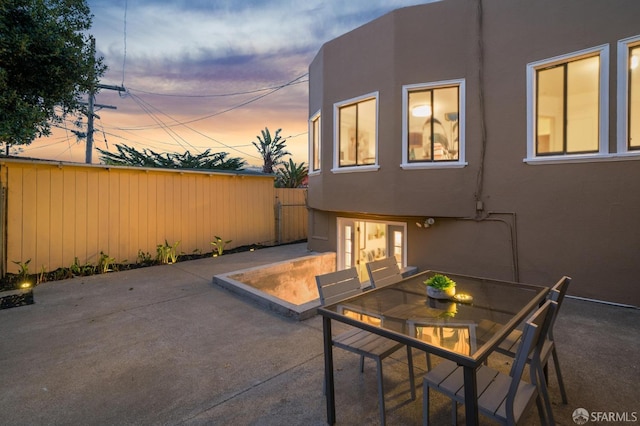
{"type": "Point", "coordinates": [557, 293]}
{"type": "Point", "coordinates": [338, 285]}
{"type": "Point", "coordinates": [533, 337]}
{"type": "Point", "coordinates": [384, 272]}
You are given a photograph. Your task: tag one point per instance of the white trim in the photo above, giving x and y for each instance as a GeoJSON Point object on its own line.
{"type": "Point", "coordinates": [336, 134]}
{"type": "Point", "coordinates": [460, 83]}
{"type": "Point", "coordinates": [623, 95]}
{"type": "Point", "coordinates": [603, 119]}
{"type": "Point", "coordinates": [313, 118]}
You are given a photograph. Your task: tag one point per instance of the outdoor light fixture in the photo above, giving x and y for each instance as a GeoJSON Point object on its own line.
{"type": "Point", "coordinates": [421, 111]}
{"type": "Point", "coordinates": [25, 285]}
{"type": "Point", "coordinates": [427, 223]}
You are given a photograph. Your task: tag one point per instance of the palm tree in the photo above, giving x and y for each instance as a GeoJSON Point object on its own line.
{"type": "Point", "coordinates": [271, 150]}
{"type": "Point", "coordinates": [291, 175]}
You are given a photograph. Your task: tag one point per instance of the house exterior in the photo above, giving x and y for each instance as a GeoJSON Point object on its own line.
{"type": "Point", "coordinates": [496, 138]}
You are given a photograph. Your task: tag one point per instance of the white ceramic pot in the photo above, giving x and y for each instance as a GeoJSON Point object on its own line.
{"type": "Point", "coordinates": [436, 293]}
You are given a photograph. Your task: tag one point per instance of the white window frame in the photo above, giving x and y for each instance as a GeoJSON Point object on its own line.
{"type": "Point", "coordinates": [336, 135]}
{"type": "Point", "coordinates": [461, 162]}
{"type": "Point", "coordinates": [603, 120]}
{"type": "Point", "coordinates": [312, 158]}
{"type": "Point", "coordinates": [623, 96]}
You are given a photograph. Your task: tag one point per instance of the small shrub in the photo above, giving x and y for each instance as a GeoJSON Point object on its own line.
{"type": "Point", "coordinates": [218, 246]}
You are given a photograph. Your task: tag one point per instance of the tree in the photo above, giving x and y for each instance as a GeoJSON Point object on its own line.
{"type": "Point", "coordinates": [47, 61]}
{"type": "Point", "coordinates": [291, 175]}
{"type": "Point", "coordinates": [271, 150]}
{"type": "Point", "coordinates": [129, 156]}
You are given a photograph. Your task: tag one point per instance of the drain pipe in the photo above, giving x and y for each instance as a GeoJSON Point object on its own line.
{"type": "Point", "coordinates": [513, 235]}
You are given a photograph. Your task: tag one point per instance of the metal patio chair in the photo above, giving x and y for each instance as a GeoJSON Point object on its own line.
{"type": "Point", "coordinates": [501, 397]}
{"type": "Point", "coordinates": [510, 345]}
{"type": "Point", "coordinates": [336, 286]}
{"type": "Point", "coordinates": [384, 272]}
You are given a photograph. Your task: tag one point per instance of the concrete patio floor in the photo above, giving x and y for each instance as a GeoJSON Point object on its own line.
{"type": "Point", "coordinates": [163, 346]}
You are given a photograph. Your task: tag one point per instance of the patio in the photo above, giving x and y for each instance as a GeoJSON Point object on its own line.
{"type": "Point", "coordinates": [162, 345]}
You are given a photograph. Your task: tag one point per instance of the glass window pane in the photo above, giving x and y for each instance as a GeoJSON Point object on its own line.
{"type": "Point", "coordinates": [583, 105]}
{"type": "Point", "coordinates": [634, 97]}
{"type": "Point", "coordinates": [420, 110]}
{"type": "Point", "coordinates": [316, 144]}
{"type": "Point", "coordinates": [550, 104]}
{"type": "Point", "coordinates": [445, 113]}
{"type": "Point", "coordinates": [348, 135]}
{"type": "Point", "coordinates": [366, 129]}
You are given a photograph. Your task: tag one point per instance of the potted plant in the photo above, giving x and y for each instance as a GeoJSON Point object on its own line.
{"type": "Point", "coordinates": [440, 287]}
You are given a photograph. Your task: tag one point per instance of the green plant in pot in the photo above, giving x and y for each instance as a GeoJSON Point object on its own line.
{"type": "Point", "coordinates": [440, 287]}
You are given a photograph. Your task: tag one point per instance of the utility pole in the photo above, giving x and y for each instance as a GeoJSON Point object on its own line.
{"type": "Point", "coordinates": [92, 105]}
{"type": "Point", "coordinates": [91, 115]}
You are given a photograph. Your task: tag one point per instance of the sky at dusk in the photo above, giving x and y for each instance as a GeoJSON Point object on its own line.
{"type": "Point", "coordinates": [208, 74]}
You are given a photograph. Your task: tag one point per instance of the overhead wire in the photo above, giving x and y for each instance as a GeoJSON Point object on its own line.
{"type": "Point", "coordinates": [245, 103]}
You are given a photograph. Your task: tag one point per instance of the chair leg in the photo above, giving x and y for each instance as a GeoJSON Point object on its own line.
{"type": "Point", "coordinates": [556, 363]}
{"type": "Point", "coordinates": [425, 405]}
{"type": "Point", "coordinates": [412, 382]}
{"type": "Point", "coordinates": [428, 361]}
{"type": "Point", "coordinates": [541, 413]}
{"type": "Point", "coordinates": [381, 392]}
{"type": "Point", "coordinates": [362, 363]}
{"type": "Point", "coordinates": [454, 412]}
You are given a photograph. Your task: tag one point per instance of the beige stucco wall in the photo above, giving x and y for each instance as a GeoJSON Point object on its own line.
{"type": "Point", "coordinates": [539, 221]}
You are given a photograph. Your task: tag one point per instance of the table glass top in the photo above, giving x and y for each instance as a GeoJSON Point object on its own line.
{"type": "Point", "coordinates": [461, 328]}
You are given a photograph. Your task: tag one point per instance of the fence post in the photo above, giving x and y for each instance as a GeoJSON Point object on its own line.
{"type": "Point", "coordinates": [278, 215]}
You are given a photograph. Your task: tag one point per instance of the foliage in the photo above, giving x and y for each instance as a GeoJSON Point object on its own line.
{"type": "Point", "coordinates": [219, 245]}
{"type": "Point", "coordinates": [47, 61]}
{"type": "Point", "coordinates": [167, 253]}
{"type": "Point", "coordinates": [129, 156]}
{"type": "Point", "coordinates": [441, 282]}
{"type": "Point", "coordinates": [271, 150]}
{"type": "Point", "coordinates": [105, 263]}
{"type": "Point", "coordinates": [23, 270]}
{"type": "Point", "coordinates": [81, 270]}
{"type": "Point", "coordinates": [291, 175]}
{"type": "Point", "coordinates": [144, 258]}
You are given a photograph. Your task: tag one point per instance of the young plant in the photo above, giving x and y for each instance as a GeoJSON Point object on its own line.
{"type": "Point", "coordinates": [166, 253]}
{"type": "Point", "coordinates": [23, 274]}
{"type": "Point", "coordinates": [144, 258]}
{"type": "Point", "coordinates": [105, 262]}
{"type": "Point", "coordinates": [218, 246]}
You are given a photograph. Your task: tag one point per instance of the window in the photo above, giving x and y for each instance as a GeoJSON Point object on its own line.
{"type": "Point", "coordinates": [356, 134]}
{"type": "Point", "coordinates": [433, 125]}
{"type": "Point", "coordinates": [629, 96]}
{"type": "Point", "coordinates": [315, 143]}
{"type": "Point", "coordinates": [567, 106]}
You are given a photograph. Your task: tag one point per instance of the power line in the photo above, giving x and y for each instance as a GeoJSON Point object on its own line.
{"type": "Point", "coordinates": [219, 95]}
{"type": "Point", "coordinates": [254, 99]}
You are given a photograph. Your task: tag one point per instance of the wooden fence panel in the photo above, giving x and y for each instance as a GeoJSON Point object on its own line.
{"type": "Point", "coordinates": [56, 212]}
{"type": "Point", "coordinates": [292, 217]}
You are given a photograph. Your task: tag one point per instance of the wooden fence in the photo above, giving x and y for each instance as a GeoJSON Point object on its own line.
{"type": "Point", "coordinates": [53, 213]}
{"type": "Point", "coordinates": [291, 215]}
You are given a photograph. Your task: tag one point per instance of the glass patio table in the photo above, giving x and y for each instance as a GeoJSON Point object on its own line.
{"type": "Point", "coordinates": [463, 332]}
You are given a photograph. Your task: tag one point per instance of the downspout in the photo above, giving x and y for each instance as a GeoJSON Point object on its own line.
{"type": "Point", "coordinates": [481, 107]}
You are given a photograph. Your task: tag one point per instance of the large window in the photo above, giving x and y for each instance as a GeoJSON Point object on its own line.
{"type": "Point", "coordinates": [629, 96]}
{"type": "Point", "coordinates": [314, 144]}
{"type": "Point", "coordinates": [356, 133]}
{"type": "Point", "coordinates": [568, 105]}
{"type": "Point", "coordinates": [433, 128]}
